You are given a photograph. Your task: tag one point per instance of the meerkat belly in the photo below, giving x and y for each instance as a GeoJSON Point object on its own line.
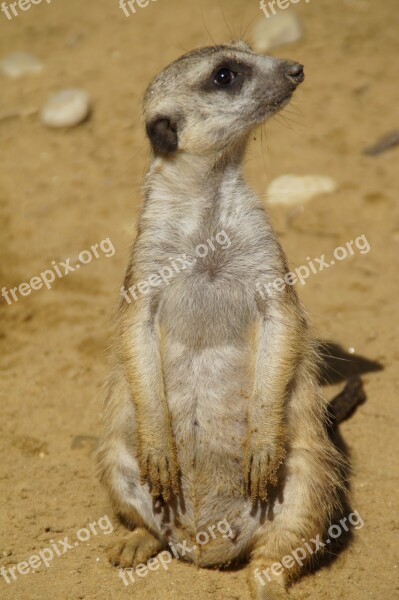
{"type": "Point", "coordinates": [207, 395]}
{"type": "Point", "coordinates": [208, 379]}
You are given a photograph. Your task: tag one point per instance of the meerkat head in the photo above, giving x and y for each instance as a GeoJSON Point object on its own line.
{"type": "Point", "coordinates": [211, 98]}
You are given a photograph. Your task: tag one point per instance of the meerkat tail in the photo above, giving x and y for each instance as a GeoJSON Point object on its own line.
{"type": "Point", "coordinates": [344, 403]}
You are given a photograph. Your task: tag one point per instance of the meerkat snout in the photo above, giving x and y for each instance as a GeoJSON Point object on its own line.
{"type": "Point", "coordinates": [295, 73]}
{"type": "Point", "coordinates": [212, 98]}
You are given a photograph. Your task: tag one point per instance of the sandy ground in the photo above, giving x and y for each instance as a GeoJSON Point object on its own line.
{"type": "Point", "coordinates": [61, 192]}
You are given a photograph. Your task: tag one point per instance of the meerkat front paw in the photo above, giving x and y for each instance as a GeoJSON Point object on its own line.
{"type": "Point", "coordinates": [137, 548]}
{"type": "Point", "coordinates": [159, 467]}
{"type": "Point", "coordinates": [261, 463]}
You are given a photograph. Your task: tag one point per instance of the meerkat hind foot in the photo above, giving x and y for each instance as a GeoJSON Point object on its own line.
{"type": "Point", "coordinates": [137, 548]}
{"type": "Point", "coordinates": [271, 591]}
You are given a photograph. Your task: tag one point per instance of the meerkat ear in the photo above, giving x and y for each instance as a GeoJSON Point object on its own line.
{"type": "Point", "coordinates": [162, 132]}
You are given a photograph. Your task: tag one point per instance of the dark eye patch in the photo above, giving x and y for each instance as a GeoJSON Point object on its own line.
{"type": "Point", "coordinates": [228, 76]}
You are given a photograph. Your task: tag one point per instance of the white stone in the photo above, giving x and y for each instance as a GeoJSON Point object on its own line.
{"type": "Point", "coordinates": [66, 108]}
{"type": "Point", "coordinates": [291, 190]}
{"type": "Point", "coordinates": [281, 28]}
{"type": "Point", "coordinates": [19, 64]}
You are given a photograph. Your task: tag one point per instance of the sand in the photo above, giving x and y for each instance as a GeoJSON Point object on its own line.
{"type": "Point", "coordinates": [63, 191]}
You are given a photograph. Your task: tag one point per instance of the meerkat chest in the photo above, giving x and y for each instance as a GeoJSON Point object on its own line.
{"type": "Point", "coordinates": [209, 297]}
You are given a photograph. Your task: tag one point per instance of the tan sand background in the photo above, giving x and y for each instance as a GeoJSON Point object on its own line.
{"type": "Point", "coordinates": [62, 191]}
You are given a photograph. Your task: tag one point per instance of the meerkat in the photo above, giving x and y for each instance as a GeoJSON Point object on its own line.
{"type": "Point", "coordinates": [213, 407]}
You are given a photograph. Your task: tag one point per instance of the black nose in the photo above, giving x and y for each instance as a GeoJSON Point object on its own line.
{"type": "Point", "coordinates": [295, 73]}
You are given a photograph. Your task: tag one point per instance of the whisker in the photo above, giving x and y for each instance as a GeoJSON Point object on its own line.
{"type": "Point", "coordinates": [231, 32]}
{"type": "Point", "coordinates": [210, 37]}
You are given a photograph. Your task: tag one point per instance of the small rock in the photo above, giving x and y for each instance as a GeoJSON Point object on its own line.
{"type": "Point", "coordinates": [282, 28]}
{"type": "Point", "coordinates": [66, 108]}
{"type": "Point", "coordinates": [389, 140]}
{"type": "Point", "coordinates": [73, 40]}
{"type": "Point", "coordinates": [292, 190]}
{"type": "Point", "coordinates": [19, 64]}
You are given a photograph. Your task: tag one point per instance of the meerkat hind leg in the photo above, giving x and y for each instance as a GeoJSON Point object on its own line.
{"type": "Point", "coordinates": [133, 549]}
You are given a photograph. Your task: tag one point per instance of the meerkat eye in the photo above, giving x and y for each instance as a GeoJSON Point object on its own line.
{"type": "Point", "coordinates": [224, 77]}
